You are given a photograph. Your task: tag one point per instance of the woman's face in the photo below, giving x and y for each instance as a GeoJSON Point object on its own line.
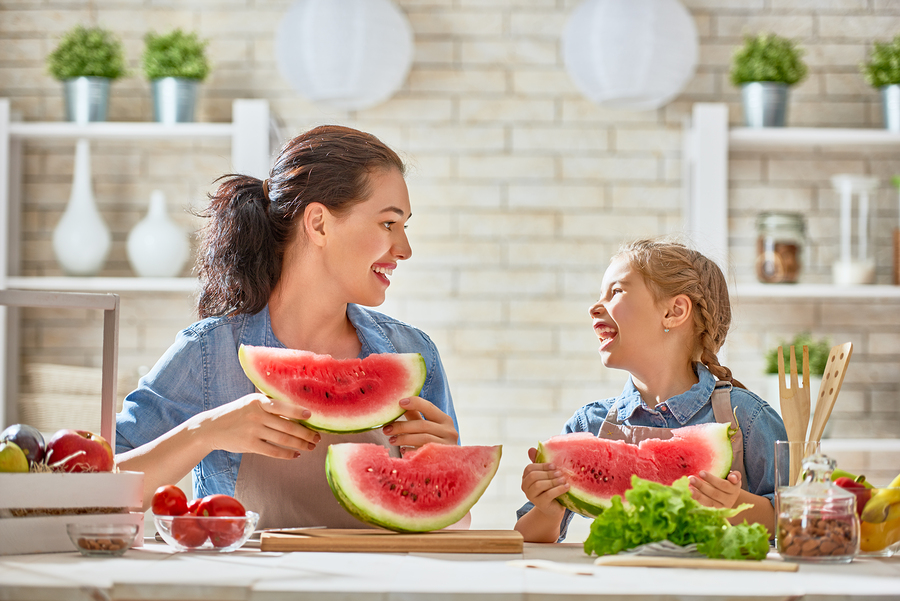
{"type": "Point", "coordinates": [627, 319]}
{"type": "Point", "coordinates": [366, 243]}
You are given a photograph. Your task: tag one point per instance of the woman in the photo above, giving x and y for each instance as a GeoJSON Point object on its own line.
{"type": "Point", "coordinates": [286, 262]}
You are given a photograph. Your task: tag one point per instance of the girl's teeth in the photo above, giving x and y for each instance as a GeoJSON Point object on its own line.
{"type": "Point", "coordinates": [383, 270]}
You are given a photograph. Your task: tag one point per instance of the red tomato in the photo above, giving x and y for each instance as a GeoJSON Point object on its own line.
{"type": "Point", "coordinates": [188, 531]}
{"type": "Point", "coordinates": [192, 506]}
{"type": "Point", "coordinates": [223, 531]}
{"type": "Point", "coordinates": [220, 505]}
{"type": "Point", "coordinates": [169, 500]}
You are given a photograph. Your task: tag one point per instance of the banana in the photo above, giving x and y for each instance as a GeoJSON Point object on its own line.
{"type": "Point", "coordinates": [884, 504]}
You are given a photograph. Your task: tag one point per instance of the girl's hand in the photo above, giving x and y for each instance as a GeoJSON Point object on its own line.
{"type": "Point", "coordinates": [257, 424]}
{"type": "Point", "coordinates": [712, 491]}
{"type": "Point", "coordinates": [424, 423]}
{"type": "Point", "coordinates": [542, 483]}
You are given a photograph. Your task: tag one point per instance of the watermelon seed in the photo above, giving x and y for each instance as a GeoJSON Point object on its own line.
{"type": "Point", "coordinates": [414, 497]}
{"type": "Point", "coordinates": [369, 470]}
{"type": "Point", "coordinates": [393, 486]}
{"type": "Point", "coordinates": [427, 480]}
{"type": "Point", "coordinates": [403, 493]}
{"type": "Point", "coordinates": [307, 389]}
{"type": "Point", "coordinates": [327, 395]}
{"type": "Point", "coordinates": [393, 471]}
{"type": "Point", "coordinates": [362, 391]}
{"type": "Point", "coordinates": [439, 493]}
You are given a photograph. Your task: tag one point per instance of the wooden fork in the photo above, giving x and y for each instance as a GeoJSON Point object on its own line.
{"type": "Point", "coordinates": [794, 405]}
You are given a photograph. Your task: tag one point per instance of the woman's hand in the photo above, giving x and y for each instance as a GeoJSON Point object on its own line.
{"type": "Point", "coordinates": [542, 483]}
{"type": "Point", "coordinates": [712, 491]}
{"type": "Point", "coordinates": [424, 423]}
{"type": "Point", "coordinates": [257, 424]}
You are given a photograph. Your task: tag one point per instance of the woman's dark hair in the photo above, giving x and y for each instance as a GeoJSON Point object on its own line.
{"type": "Point", "coordinates": [251, 221]}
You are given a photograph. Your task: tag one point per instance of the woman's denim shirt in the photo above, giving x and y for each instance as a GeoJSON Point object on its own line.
{"type": "Point", "coordinates": [201, 371]}
{"type": "Point", "coordinates": [760, 425]}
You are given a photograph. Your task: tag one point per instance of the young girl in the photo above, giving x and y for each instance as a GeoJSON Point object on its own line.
{"type": "Point", "coordinates": [662, 316]}
{"type": "Point", "coordinates": [286, 263]}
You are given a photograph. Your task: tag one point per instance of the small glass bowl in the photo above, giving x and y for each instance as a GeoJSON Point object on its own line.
{"type": "Point", "coordinates": [214, 534]}
{"type": "Point", "coordinates": [102, 540]}
{"type": "Point", "coordinates": [879, 540]}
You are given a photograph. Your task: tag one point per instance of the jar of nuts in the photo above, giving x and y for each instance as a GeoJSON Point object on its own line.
{"type": "Point", "coordinates": [779, 247]}
{"type": "Point", "coordinates": [817, 520]}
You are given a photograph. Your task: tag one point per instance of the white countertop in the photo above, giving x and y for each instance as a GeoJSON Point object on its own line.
{"type": "Point", "coordinates": [154, 572]}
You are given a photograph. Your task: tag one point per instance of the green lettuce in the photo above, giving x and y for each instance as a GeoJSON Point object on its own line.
{"type": "Point", "coordinates": [657, 512]}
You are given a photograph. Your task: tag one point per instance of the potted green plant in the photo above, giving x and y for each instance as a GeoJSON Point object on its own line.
{"type": "Point", "coordinates": [87, 60]}
{"type": "Point", "coordinates": [882, 72]}
{"type": "Point", "coordinates": [175, 63]}
{"type": "Point", "coordinates": [765, 68]}
{"type": "Point", "coordinates": [818, 359]}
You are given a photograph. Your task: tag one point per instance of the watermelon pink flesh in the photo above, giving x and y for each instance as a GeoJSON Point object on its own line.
{"type": "Point", "coordinates": [598, 469]}
{"type": "Point", "coordinates": [428, 489]}
{"type": "Point", "coordinates": [343, 395]}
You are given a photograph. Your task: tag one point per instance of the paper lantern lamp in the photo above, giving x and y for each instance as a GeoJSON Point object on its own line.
{"type": "Point", "coordinates": [347, 54]}
{"type": "Point", "coordinates": [630, 54]}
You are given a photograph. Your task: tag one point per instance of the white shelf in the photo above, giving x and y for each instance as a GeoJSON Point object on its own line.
{"type": "Point", "coordinates": [109, 130]}
{"type": "Point", "coordinates": [813, 291]}
{"type": "Point", "coordinates": [103, 284]}
{"type": "Point", "coordinates": [773, 138]}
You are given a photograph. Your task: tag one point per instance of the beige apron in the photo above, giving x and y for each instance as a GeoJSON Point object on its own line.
{"type": "Point", "coordinates": [293, 493]}
{"type": "Point", "coordinates": [721, 405]}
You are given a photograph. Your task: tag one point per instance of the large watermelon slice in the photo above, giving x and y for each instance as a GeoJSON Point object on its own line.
{"type": "Point", "coordinates": [597, 469]}
{"type": "Point", "coordinates": [351, 395]}
{"type": "Point", "coordinates": [428, 489]}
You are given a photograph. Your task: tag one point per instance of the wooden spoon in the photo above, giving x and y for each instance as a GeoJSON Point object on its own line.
{"type": "Point", "coordinates": [835, 369]}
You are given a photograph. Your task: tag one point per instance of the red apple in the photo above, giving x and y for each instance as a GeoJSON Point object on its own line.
{"type": "Point", "coordinates": [79, 451]}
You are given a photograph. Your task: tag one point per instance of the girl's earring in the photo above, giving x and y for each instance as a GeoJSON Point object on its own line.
{"type": "Point", "coordinates": [666, 330]}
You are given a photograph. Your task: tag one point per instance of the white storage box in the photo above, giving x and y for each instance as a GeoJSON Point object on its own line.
{"type": "Point", "coordinates": [36, 507]}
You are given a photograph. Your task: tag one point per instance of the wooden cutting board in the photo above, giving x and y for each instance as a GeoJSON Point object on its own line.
{"type": "Point", "coordinates": [384, 541]}
{"type": "Point", "coordinates": [696, 563]}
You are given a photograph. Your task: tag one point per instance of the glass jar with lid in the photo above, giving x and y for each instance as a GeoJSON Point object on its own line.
{"type": "Point", "coordinates": [817, 519]}
{"type": "Point", "coordinates": [779, 247]}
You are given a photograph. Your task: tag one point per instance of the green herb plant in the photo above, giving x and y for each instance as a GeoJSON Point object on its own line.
{"type": "Point", "coordinates": [175, 54]}
{"type": "Point", "coordinates": [883, 68]}
{"type": "Point", "coordinates": [656, 512]}
{"type": "Point", "coordinates": [767, 58]}
{"type": "Point", "coordinates": [87, 52]}
{"type": "Point", "coordinates": [818, 354]}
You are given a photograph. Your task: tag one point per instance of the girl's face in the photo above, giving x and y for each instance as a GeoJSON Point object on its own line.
{"type": "Point", "coordinates": [367, 242]}
{"type": "Point", "coordinates": [627, 318]}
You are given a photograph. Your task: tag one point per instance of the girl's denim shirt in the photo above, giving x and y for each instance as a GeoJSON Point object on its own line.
{"type": "Point", "coordinates": [760, 425]}
{"type": "Point", "coordinates": [201, 371]}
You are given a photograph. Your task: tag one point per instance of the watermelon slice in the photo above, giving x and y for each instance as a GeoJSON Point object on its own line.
{"type": "Point", "coordinates": [597, 469]}
{"type": "Point", "coordinates": [430, 488]}
{"type": "Point", "coordinates": [351, 395]}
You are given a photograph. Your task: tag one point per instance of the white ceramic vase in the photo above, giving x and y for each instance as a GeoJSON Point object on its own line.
{"type": "Point", "coordinates": [81, 239]}
{"type": "Point", "coordinates": [157, 246]}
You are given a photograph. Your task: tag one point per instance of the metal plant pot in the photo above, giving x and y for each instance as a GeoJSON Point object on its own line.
{"type": "Point", "coordinates": [87, 98]}
{"type": "Point", "coordinates": [890, 104]}
{"type": "Point", "coordinates": [765, 103]}
{"type": "Point", "coordinates": [174, 99]}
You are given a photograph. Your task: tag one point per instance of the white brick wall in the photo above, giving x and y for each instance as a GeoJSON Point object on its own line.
{"type": "Point", "coordinates": [521, 190]}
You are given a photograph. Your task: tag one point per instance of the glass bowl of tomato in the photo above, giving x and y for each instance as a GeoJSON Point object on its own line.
{"type": "Point", "coordinates": [220, 534]}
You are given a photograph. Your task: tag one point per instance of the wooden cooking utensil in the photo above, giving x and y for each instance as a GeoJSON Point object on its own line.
{"type": "Point", "coordinates": [794, 405]}
{"type": "Point", "coordinates": [835, 370]}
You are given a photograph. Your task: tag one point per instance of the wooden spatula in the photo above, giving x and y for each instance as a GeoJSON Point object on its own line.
{"type": "Point", "coordinates": [835, 369]}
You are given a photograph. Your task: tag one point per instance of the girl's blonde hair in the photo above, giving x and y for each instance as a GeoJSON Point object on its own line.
{"type": "Point", "coordinates": [670, 268]}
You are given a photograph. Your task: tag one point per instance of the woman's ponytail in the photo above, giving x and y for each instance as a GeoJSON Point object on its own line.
{"type": "Point", "coordinates": [237, 262]}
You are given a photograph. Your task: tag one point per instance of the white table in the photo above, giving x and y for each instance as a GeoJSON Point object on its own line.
{"type": "Point", "coordinates": [154, 572]}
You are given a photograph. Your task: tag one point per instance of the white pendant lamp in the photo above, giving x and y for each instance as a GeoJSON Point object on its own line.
{"type": "Point", "coordinates": [347, 54]}
{"type": "Point", "coordinates": [630, 54]}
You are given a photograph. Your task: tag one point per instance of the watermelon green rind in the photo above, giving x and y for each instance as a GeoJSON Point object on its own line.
{"type": "Point", "coordinates": [341, 460]}
{"type": "Point", "coordinates": [380, 409]}
{"type": "Point", "coordinates": [713, 440]}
